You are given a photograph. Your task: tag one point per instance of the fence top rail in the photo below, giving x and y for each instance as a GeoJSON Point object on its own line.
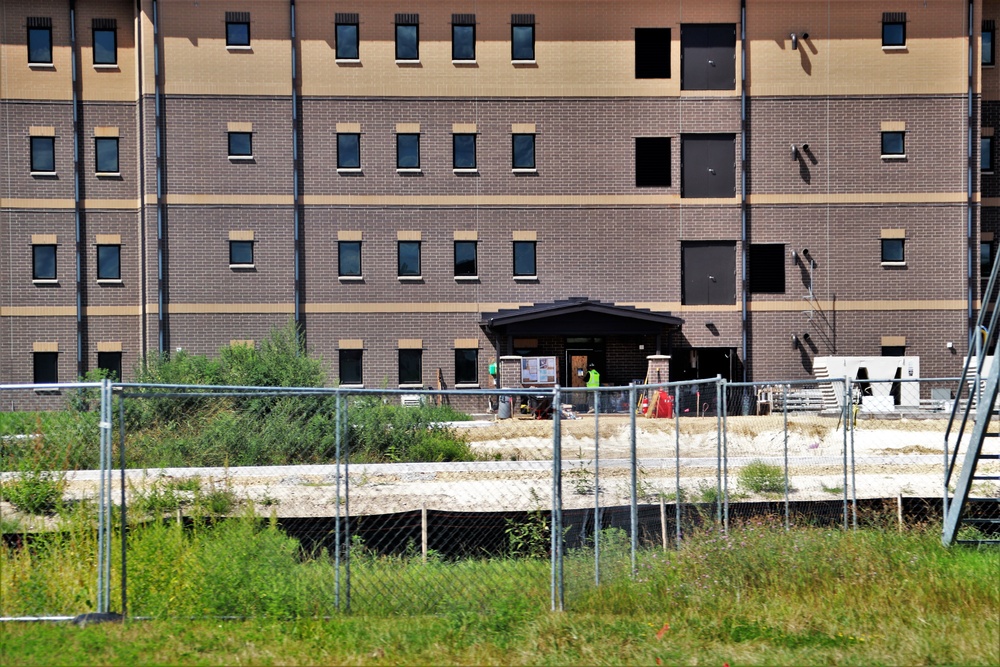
{"type": "Point", "coordinates": [50, 386]}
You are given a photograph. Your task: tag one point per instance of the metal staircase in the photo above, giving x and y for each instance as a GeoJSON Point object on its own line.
{"type": "Point", "coordinates": [969, 519]}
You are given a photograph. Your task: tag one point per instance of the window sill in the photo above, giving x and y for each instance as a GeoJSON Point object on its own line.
{"type": "Point", "coordinates": [524, 170]}
{"type": "Point", "coordinates": [409, 278]}
{"type": "Point", "coordinates": [464, 62]}
{"type": "Point", "coordinates": [526, 278]}
{"type": "Point", "coordinates": [409, 170]}
{"type": "Point", "coordinates": [891, 264]}
{"type": "Point", "coordinates": [348, 170]}
{"type": "Point", "coordinates": [350, 279]}
{"type": "Point", "coordinates": [986, 173]}
{"type": "Point", "coordinates": [241, 158]}
{"type": "Point", "coordinates": [242, 266]}
{"type": "Point", "coordinates": [109, 281]}
{"type": "Point", "coordinates": [515, 63]}
{"type": "Point", "coordinates": [108, 174]}
{"type": "Point", "coordinates": [467, 279]}
{"type": "Point", "coordinates": [900, 47]}
{"type": "Point", "coordinates": [44, 173]}
{"type": "Point", "coordinates": [45, 281]}
{"type": "Point", "coordinates": [107, 66]}
{"type": "Point", "coordinates": [894, 157]}
{"type": "Point", "coordinates": [348, 61]}
{"type": "Point", "coordinates": [466, 385]}
{"type": "Point", "coordinates": [474, 170]}
{"type": "Point", "coordinates": [42, 390]}
{"type": "Point", "coordinates": [990, 66]}
{"type": "Point", "coordinates": [411, 385]}
{"type": "Point", "coordinates": [408, 62]}
{"type": "Point", "coordinates": [42, 65]}
{"type": "Point", "coordinates": [352, 386]}
{"type": "Point", "coordinates": [237, 47]}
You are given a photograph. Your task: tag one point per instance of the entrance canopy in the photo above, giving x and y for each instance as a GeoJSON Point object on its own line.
{"type": "Point", "coordinates": [577, 317]}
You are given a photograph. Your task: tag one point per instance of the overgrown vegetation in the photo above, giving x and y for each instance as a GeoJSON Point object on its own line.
{"type": "Point", "coordinates": [38, 486]}
{"type": "Point", "coordinates": [760, 477]}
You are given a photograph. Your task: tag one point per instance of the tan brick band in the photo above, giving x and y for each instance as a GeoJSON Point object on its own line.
{"type": "Point", "coordinates": [45, 347]}
{"type": "Point", "coordinates": [106, 131]}
{"type": "Point", "coordinates": [109, 346]}
{"type": "Point", "coordinates": [43, 239]}
{"type": "Point", "coordinates": [349, 236]}
{"type": "Point", "coordinates": [466, 343]}
{"type": "Point", "coordinates": [241, 235]}
{"type": "Point", "coordinates": [108, 239]}
{"type": "Point", "coordinates": [241, 342]}
{"type": "Point", "coordinates": [893, 341]}
{"type": "Point", "coordinates": [466, 236]}
{"type": "Point", "coordinates": [351, 344]}
{"type": "Point", "coordinates": [41, 131]}
{"type": "Point", "coordinates": [411, 344]}
{"type": "Point", "coordinates": [239, 127]}
{"type": "Point", "coordinates": [893, 126]}
{"type": "Point", "coordinates": [524, 236]}
{"type": "Point", "coordinates": [408, 236]}
{"type": "Point", "coordinates": [348, 128]}
{"type": "Point", "coordinates": [893, 234]}
{"type": "Point", "coordinates": [522, 128]}
{"type": "Point", "coordinates": [407, 128]}
{"type": "Point", "coordinates": [463, 128]}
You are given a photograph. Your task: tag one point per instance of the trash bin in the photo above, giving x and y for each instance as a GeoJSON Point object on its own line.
{"type": "Point", "coordinates": [504, 408]}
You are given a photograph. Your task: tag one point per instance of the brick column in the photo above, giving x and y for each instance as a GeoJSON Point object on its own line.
{"type": "Point", "coordinates": [658, 368]}
{"type": "Point", "coordinates": [509, 372]}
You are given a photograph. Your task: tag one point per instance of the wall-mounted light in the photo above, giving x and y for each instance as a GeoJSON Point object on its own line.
{"type": "Point", "coordinates": [796, 38]}
{"type": "Point", "coordinates": [806, 336]}
{"type": "Point", "coordinates": [950, 345]}
{"type": "Point", "coordinates": [710, 324]}
{"type": "Point", "coordinates": [805, 252]}
{"type": "Point", "coordinates": [795, 341]}
{"type": "Point", "coordinates": [805, 148]}
{"type": "Point", "coordinates": [795, 152]}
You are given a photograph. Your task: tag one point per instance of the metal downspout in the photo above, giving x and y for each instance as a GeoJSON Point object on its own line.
{"type": "Point", "coordinates": [743, 184]}
{"type": "Point", "coordinates": [141, 151]}
{"type": "Point", "coordinates": [969, 231]}
{"type": "Point", "coordinates": [160, 206]}
{"type": "Point", "coordinates": [77, 206]}
{"type": "Point", "coordinates": [296, 221]}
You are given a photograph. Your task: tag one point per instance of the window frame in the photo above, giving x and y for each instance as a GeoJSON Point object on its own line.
{"type": "Point", "coordinates": [357, 41]}
{"type": "Point", "coordinates": [230, 42]}
{"type": "Point", "coordinates": [513, 148]}
{"type": "Point", "coordinates": [343, 152]}
{"type": "Point", "coordinates": [769, 255]}
{"type": "Point", "coordinates": [52, 144]}
{"type": "Point", "coordinates": [235, 245]}
{"type": "Point", "coordinates": [466, 369]}
{"type": "Point", "coordinates": [455, 41]}
{"type": "Point", "coordinates": [901, 23]}
{"type": "Point", "coordinates": [516, 25]}
{"type": "Point", "coordinates": [886, 254]}
{"type": "Point", "coordinates": [239, 156]}
{"type": "Point", "coordinates": [114, 369]}
{"type": "Point", "coordinates": [114, 276]}
{"type": "Point", "coordinates": [47, 30]}
{"type": "Point", "coordinates": [416, 41]}
{"type": "Point", "coordinates": [985, 267]}
{"type": "Point", "coordinates": [645, 48]}
{"type": "Point", "coordinates": [466, 274]}
{"type": "Point", "coordinates": [991, 60]}
{"type": "Point", "coordinates": [522, 274]}
{"type": "Point", "coordinates": [411, 274]}
{"type": "Point", "coordinates": [35, 276]}
{"type": "Point", "coordinates": [648, 174]}
{"type": "Point", "coordinates": [902, 140]}
{"type": "Point", "coordinates": [98, 141]}
{"type": "Point", "coordinates": [342, 246]}
{"type": "Point", "coordinates": [343, 360]}
{"type": "Point", "coordinates": [407, 135]}
{"type": "Point", "coordinates": [462, 136]}
{"type": "Point", "coordinates": [986, 165]}
{"type": "Point", "coordinates": [114, 47]}
{"type": "Point", "coordinates": [45, 368]}
{"type": "Point", "coordinates": [415, 355]}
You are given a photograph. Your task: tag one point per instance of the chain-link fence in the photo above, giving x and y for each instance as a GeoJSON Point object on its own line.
{"type": "Point", "coordinates": [244, 501]}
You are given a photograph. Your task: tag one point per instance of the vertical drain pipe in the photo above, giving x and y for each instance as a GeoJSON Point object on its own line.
{"type": "Point", "coordinates": [141, 153]}
{"type": "Point", "coordinates": [77, 205]}
{"type": "Point", "coordinates": [296, 259]}
{"type": "Point", "coordinates": [160, 206]}
{"type": "Point", "coordinates": [743, 183]}
{"type": "Point", "coordinates": [969, 231]}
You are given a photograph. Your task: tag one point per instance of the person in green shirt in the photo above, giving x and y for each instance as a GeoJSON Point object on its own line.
{"type": "Point", "coordinates": [593, 380]}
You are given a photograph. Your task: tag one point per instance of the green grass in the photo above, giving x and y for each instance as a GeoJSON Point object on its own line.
{"type": "Point", "coordinates": [760, 596]}
{"type": "Point", "coordinates": [760, 477]}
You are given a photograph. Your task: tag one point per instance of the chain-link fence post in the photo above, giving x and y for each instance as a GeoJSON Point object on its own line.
{"type": "Point", "coordinates": [337, 547]}
{"type": "Point", "coordinates": [558, 587]}
{"type": "Point", "coordinates": [784, 416]}
{"type": "Point", "coordinates": [678, 496]}
{"type": "Point", "coordinates": [124, 524]}
{"type": "Point", "coordinates": [844, 412]}
{"type": "Point", "coordinates": [852, 415]}
{"type": "Point", "coordinates": [633, 486]}
{"type": "Point", "coordinates": [597, 487]}
{"type": "Point", "coordinates": [723, 412]}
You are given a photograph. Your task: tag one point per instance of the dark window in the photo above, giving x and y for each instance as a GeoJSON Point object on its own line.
{"type": "Point", "coordinates": [465, 258]}
{"type": "Point", "coordinates": [892, 250]}
{"type": "Point", "coordinates": [708, 56]}
{"type": "Point", "coordinates": [237, 28]}
{"type": "Point", "coordinates": [466, 366]}
{"type": "Point", "coordinates": [709, 272]}
{"type": "Point", "coordinates": [347, 36]}
{"type": "Point", "coordinates": [348, 151]}
{"type": "Point", "coordinates": [652, 53]}
{"type": "Point", "coordinates": [522, 37]}
{"type": "Point", "coordinates": [407, 151]}
{"type": "Point", "coordinates": [893, 143]}
{"type": "Point", "coordinates": [350, 367]}
{"type": "Point", "coordinates": [109, 262]}
{"type": "Point", "coordinates": [43, 154]}
{"type": "Point", "coordinates": [112, 363]}
{"type": "Point", "coordinates": [767, 268]}
{"type": "Point", "coordinates": [241, 253]}
{"type": "Point", "coordinates": [989, 34]}
{"type": "Point", "coordinates": [894, 29]}
{"type": "Point", "coordinates": [411, 367]}
{"type": "Point", "coordinates": [39, 40]}
{"type": "Point", "coordinates": [349, 258]}
{"type": "Point", "coordinates": [986, 154]}
{"type": "Point", "coordinates": [106, 150]}
{"type": "Point", "coordinates": [524, 258]}
{"type": "Point", "coordinates": [105, 42]}
{"type": "Point", "coordinates": [463, 36]}
{"type": "Point", "coordinates": [708, 165]}
{"type": "Point", "coordinates": [409, 258]}
{"type": "Point", "coordinates": [46, 368]}
{"type": "Point", "coordinates": [407, 37]}
{"type": "Point", "coordinates": [894, 351]}
{"type": "Point", "coordinates": [240, 144]}
{"type": "Point", "coordinates": [652, 162]}
{"type": "Point", "coordinates": [985, 258]}
{"type": "Point", "coordinates": [43, 262]}
{"type": "Point", "coordinates": [524, 151]}
{"type": "Point", "coordinates": [464, 151]}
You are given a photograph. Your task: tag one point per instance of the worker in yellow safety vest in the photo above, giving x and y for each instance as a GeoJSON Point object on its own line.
{"type": "Point", "coordinates": [593, 380]}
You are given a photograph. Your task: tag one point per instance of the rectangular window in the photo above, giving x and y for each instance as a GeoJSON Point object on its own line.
{"type": "Point", "coordinates": [240, 144]}
{"type": "Point", "coordinates": [407, 37]}
{"type": "Point", "coordinates": [238, 29]}
{"type": "Point", "coordinates": [894, 29]}
{"type": "Point", "coordinates": [350, 367]}
{"type": "Point", "coordinates": [241, 253]}
{"type": "Point", "coordinates": [708, 272]}
{"type": "Point", "coordinates": [43, 154]}
{"type": "Point", "coordinates": [524, 258]}
{"type": "Point", "coordinates": [46, 368]}
{"type": "Point", "coordinates": [112, 363]}
{"type": "Point", "coordinates": [466, 366]}
{"type": "Point", "coordinates": [43, 262]}
{"type": "Point", "coordinates": [347, 36]}
{"type": "Point", "coordinates": [465, 259]}
{"type": "Point", "coordinates": [409, 258]}
{"type": "Point", "coordinates": [463, 37]}
{"type": "Point", "coordinates": [652, 53]}
{"type": "Point", "coordinates": [411, 367]}
{"type": "Point", "coordinates": [39, 40]}
{"type": "Point", "coordinates": [348, 151]}
{"type": "Point", "coordinates": [989, 35]}
{"type": "Point", "coordinates": [894, 351]}
{"type": "Point", "coordinates": [407, 151]}
{"type": "Point", "coordinates": [522, 37]}
{"type": "Point", "coordinates": [523, 151]}
{"type": "Point", "coordinates": [106, 152]}
{"type": "Point", "coordinates": [109, 262]}
{"type": "Point", "coordinates": [767, 268]}
{"type": "Point", "coordinates": [986, 154]}
{"type": "Point", "coordinates": [464, 151]}
{"type": "Point", "coordinates": [105, 41]}
{"type": "Point", "coordinates": [893, 143]}
{"type": "Point", "coordinates": [892, 251]}
{"type": "Point", "coordinates": [652, 162]}
{"type": "Point", "coordinates": [349, 259]}
{"type": "Point", "coordinates": [985, 258]}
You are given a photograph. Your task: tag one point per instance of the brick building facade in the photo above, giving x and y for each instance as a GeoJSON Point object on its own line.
{"type": "Point", "coordinates": [741, 186]}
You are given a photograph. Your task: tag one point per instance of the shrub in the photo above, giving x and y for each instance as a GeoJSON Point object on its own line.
{"type": "Point", "coordinates": [380, 431]}
{"type": "Point", "coordinates": [34, 491]}
{"type": "Point", "coordinates": [760, 477]}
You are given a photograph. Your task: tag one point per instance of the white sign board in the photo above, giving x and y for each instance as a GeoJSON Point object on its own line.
{"type": "Point", "coordinates": [538, 370]}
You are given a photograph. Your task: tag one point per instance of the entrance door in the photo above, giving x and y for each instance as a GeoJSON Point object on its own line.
{"type": "Point", "coordinates": [577, 363]}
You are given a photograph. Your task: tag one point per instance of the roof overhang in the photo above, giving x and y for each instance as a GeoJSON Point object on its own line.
{"type": "Point", "coordinates": [578, 317]}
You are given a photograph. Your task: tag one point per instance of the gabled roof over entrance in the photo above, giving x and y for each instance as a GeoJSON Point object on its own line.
{"type": "Point", "coordinates": [578, 317]}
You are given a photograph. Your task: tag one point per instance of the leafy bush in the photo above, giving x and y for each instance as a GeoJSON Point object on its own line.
{"type": "Point", "coordinates": [35, 491]}
{"type": "Point", "coordinates": [760, 477]}
{"type": "Point", "coordinates": [380, 431]}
